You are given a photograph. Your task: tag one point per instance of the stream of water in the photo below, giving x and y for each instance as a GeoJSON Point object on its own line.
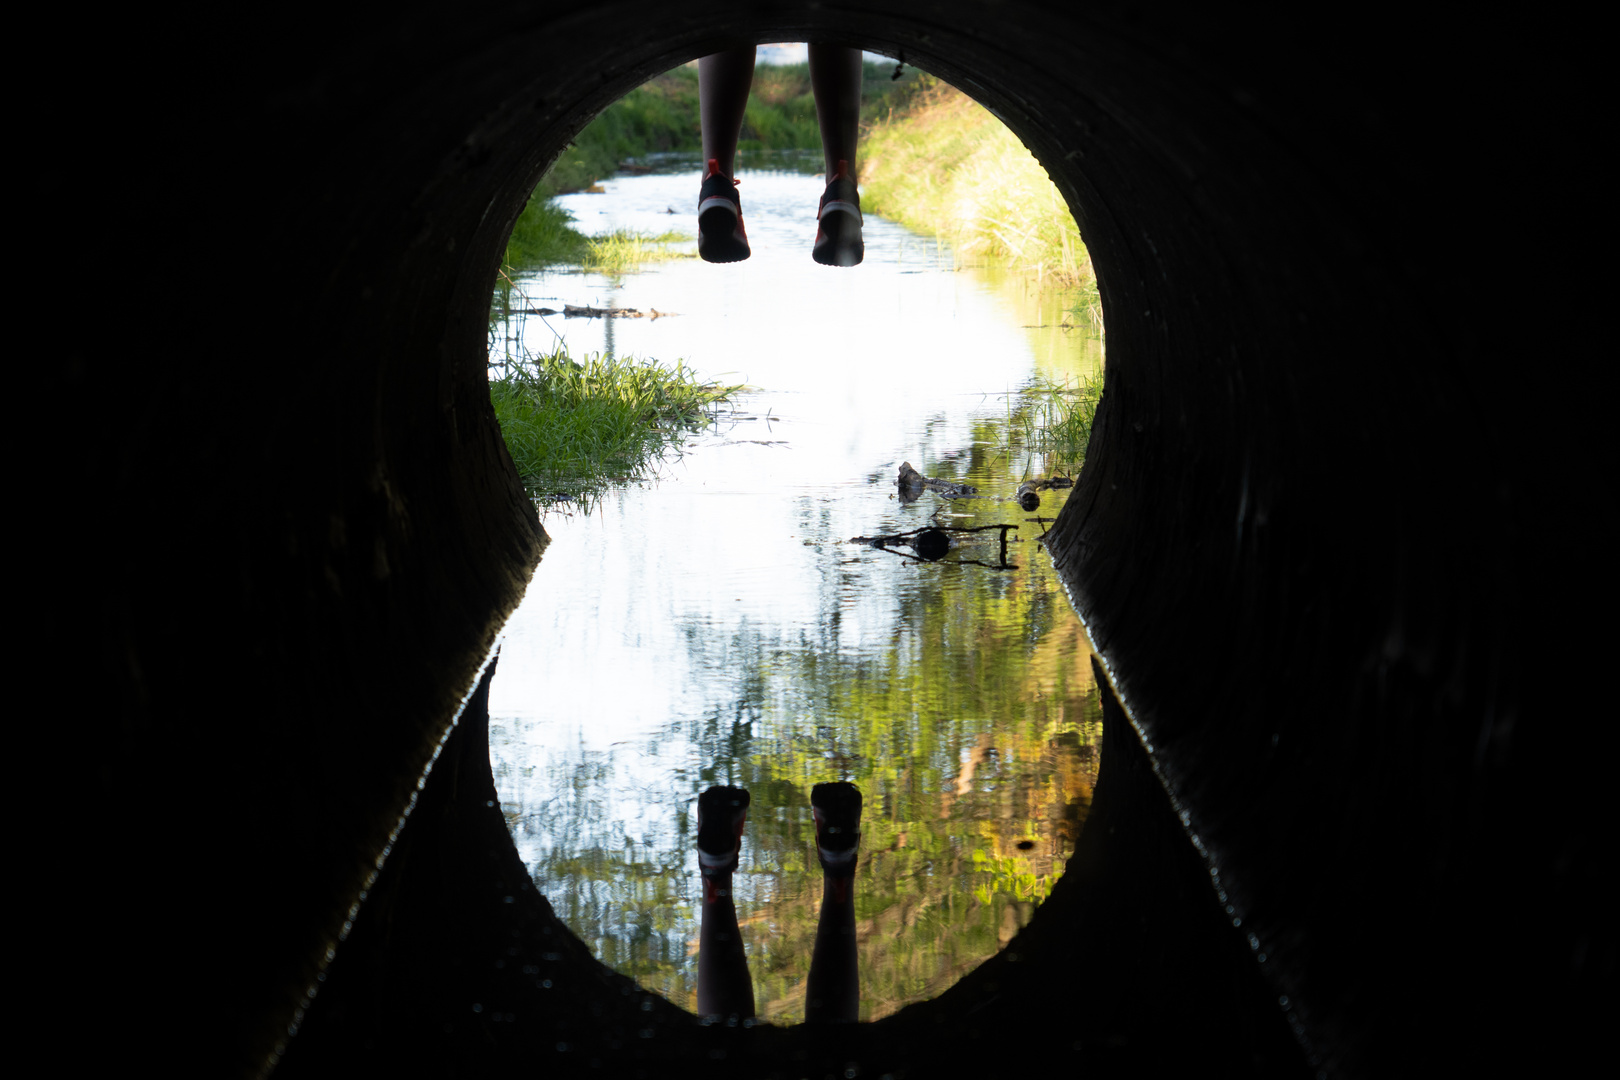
{"type": "Point", "coordinates": [716, 623]}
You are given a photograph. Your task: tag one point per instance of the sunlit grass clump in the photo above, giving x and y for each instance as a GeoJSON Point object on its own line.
{"type": "Point", "coordinates": [943, 164]}
{"type": "Point", "coordinates": [575, 427]}
{"type": "Point", "coordinates": [621, 251]}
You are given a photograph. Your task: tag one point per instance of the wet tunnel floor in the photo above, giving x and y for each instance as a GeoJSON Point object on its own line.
{"type": "Point", "coordinates": [716, 624]}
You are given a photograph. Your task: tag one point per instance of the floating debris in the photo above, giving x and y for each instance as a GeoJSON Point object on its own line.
{"type": "Point", "coordinates": [1029, 491]}
{"type": "Point", "coordinates": [932, 543]}
{"type": "Point", "coordinates": [913, 483]}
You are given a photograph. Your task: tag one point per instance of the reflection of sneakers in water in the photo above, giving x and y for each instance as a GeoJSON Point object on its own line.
{"type": "Point", "coordinates": [837, 810]}
{"type": "Point", "coordinates": [722, 813]}
{"type": "Point", "coordinates": [838, 230]}
{"type": "Point", "coordinates": [721, 238]}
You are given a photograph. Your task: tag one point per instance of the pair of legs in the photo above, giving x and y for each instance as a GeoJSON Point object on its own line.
{"type": "Point", "coordinates": [724, 79]}
{"type": "Point", "coordinates": [832, 992]}
{"type": "Point", "coordinates": [835, 77]}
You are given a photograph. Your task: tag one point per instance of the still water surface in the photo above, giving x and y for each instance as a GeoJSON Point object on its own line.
{"type": "Point", "coordinates": [716, 625]}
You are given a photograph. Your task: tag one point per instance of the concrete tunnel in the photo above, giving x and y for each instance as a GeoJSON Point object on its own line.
{"type": "Point", "coordinates": [1305, 545]}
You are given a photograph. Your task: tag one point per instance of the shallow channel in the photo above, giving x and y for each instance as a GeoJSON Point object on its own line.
{"type": "Point", "coordinates": [716, 624]}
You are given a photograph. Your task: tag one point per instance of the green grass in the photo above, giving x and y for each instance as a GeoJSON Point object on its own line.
{"type": "Point", "coordinates": [660, 115]}
{"type": "Point", "coordinates": [940, 163]}
{"type": "Point", "coordinates": [574, 428]}
{"type": "Point", "coordinates": [618, 252]}
{"type": "Point", "coordinates": [544, 236]}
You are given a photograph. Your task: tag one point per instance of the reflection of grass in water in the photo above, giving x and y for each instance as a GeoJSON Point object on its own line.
{"type": "Point", "coordinates": [1061, 416]}
{"type": "Point", "coordinates": [573, 428]}
{"type": "Point", "coordinates": [965, 746]}
{"type": "Point", "coordinates": [1050, 420]}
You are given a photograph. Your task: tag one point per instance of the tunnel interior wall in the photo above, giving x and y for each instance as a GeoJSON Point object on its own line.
{"type": "Point", "coordinates": [1305, 591]}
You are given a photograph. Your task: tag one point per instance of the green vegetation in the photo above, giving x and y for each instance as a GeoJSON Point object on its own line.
{"type": "Point", "coordinates": [659, 116]}
{"type": "Point", "coordinates": [572, 428]}
{"type": "Point", "coordinates": [617, 252]}
{"type": "Point", "coordinates": [544, 236]}
{"type": "Point", "coordinates": [942, 164]}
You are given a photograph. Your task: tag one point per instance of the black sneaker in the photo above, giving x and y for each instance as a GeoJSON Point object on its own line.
{"type": "Point", "coordinates": [836, 808]}
{"type": "Point", "coordinates": [722, 813]}
{"type": "Point", "coordinates": [721, 238]}
{"type": "Point", "coordinates": [838, 230]}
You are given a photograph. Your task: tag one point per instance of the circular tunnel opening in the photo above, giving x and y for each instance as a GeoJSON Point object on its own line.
{"type": "Point", "coordinates": [768, 615]}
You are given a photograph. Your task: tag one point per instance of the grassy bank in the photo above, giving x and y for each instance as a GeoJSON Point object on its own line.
{"type": "Point", "coordinates": [574, 427]}
{"type": "Point", "coordinates": [942, 164]}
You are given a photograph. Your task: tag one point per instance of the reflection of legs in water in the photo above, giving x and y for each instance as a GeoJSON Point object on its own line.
{"type": "Point", "coordinates": [833, 991]}
{"type": "Point", "coordinates": [724, 988]}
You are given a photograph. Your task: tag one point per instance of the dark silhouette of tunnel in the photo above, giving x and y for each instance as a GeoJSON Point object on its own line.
{"type": "Point", "coordinates": [1303, 543]}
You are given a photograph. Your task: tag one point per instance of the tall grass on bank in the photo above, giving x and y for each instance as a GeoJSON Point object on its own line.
{"type": "Point", "coordinates": [575, 427]}
{"type": "Point", "coordinates": [545, 236]}
{"type": "Point", "coordinates": [942, 164]}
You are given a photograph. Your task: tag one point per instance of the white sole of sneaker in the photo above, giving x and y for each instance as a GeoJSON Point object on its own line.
{"type": "Point", "coordinates": [718, 202]}
{"type": "Point", "coordinates": [841, 207]}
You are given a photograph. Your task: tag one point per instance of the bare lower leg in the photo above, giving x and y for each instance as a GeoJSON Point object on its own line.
{"type": "Point", "coordinates": [723, 82]}
{"type": "Point", "coordinates": [724, 988]}
{"type": "Point", "coordinates": [833, 991]}
{"type": "Point", "coordinates": [835, 77]}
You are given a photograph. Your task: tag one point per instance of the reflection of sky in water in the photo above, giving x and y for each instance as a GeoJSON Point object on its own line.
{"type": "Point", "coordinates": [702, 618]}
